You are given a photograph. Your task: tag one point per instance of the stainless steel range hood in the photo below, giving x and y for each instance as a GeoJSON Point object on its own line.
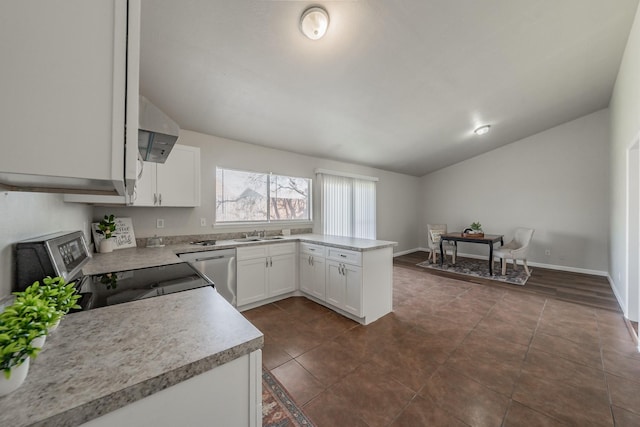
{"type": "Point", "coordinates": [157, 133]}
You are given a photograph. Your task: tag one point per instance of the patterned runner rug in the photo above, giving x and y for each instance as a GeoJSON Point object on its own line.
{"type": "Point", "coordinates": [480, 268]}
{"type": "Point", "coordinates": [278, 408]}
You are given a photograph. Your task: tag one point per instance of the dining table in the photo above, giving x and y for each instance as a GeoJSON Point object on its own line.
{"type": "Point", "coordinates": [487, 239]}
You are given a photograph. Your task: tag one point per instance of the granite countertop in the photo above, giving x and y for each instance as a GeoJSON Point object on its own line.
{"type": "Point", "coordinates": [134, 258]}
{"type": "Point", "coordinates": [100, 360]}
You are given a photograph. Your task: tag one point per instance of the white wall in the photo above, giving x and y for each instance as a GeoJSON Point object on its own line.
{"type": "Point", "coordinates": [397, 204]}
{"type": "Point", "coordinates": [26, 215]}
{"type": "Point", "coordinates": [556, 181]}
{"type": "Point", "coordinates": [625, 127]}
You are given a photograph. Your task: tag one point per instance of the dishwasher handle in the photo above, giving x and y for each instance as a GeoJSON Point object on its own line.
{"type": "Point", "coordinates": [209, 258]}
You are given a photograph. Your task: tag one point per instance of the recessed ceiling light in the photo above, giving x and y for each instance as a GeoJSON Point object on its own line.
{"type": "Point", "coordinates": [482, 130]}
{"type": "Point", "coordinates": [314, 22]}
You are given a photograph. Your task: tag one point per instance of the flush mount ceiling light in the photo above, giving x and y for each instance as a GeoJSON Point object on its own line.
{"type": "Point", "coordinates": [482, 130]}
{"type": "Point", "coordinates": [314, 22]}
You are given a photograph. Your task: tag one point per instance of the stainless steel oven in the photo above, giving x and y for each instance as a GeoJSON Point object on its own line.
{"type": "Point", "coordinates": [66, 253]}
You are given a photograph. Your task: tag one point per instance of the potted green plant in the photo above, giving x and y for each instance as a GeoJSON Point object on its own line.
{"type": "Point", "coordinates": [476, 227]}
{"type": "Point", "coordinates": [34, 313]}
{"type": "Point", "coordinates": [57, 293]}
{"type": "Point", "coordinates": [62, 296]}
{"type": "Point", "coordinates": [106, 228]}
{"type": "Point", "coordinates": [15, 352]}
{"type": "Point", "coordinates": [23, 326]}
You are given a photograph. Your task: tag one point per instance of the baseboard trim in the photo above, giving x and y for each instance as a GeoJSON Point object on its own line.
{"type": "Point", "coordinates": [621, 301]}
{"type": "Point", "coordinates": [408, 251]}
{"type": "Point", "coordinates": [531, 264]}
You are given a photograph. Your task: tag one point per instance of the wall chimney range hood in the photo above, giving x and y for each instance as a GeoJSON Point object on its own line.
{"type": "Point", "coordinates": [157, 133]}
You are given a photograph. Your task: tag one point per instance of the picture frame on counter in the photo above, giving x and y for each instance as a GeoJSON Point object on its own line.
{"type": "Point", "coordinates": [123, 237]}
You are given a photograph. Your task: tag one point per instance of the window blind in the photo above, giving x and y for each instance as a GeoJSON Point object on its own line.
{"type": "Point", "coordinates": [348, 206]}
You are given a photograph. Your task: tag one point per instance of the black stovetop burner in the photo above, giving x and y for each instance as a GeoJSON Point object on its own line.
{"type": "Point", "coordinates": [204, 243]}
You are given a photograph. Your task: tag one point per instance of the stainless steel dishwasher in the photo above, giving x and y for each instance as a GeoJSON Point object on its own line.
{"type": "Point", "coordinates": [219, 266]}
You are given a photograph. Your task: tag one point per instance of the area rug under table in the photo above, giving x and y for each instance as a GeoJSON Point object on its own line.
{"type": "Point", "coordinates": [480, 268]}
{"type": "Point", "coordinates": [278, 408]}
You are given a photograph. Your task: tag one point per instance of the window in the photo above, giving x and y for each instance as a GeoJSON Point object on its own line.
{"type": "Point", "coordinates": [243, 196]}
{"type": "Point", "coordinates": [348, 205]}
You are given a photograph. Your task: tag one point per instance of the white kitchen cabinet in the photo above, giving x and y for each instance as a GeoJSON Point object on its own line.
{"type": "Point", "coordinates": [265, 271]}
{"type": "Point", "coordinates": [228, 395]}
{"type": "Point", "coordinates": [174, 183]}
{"type": "Point", "coordinates": [344, 287]}
{"type": "Point", "coordinates": [312, 270]}
{"type": "Point", "coordinates": [251, 280]}
{"type": "Point", "coordinates": [69, 103]}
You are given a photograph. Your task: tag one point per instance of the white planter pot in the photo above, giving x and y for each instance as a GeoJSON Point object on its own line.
{"type": "Point", "coordinates": [55, 325]}
{"type": "Point", "coordinates": [106, 246]}
{"type": "Point", "coordinates": [17, 377]}
{"type": "Point", "coordinates": [39, 342]}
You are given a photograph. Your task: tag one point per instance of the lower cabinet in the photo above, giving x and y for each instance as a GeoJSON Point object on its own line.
{"type": "Point", "coordinates": [312, 270]}
{"type": "Point", "coordinates": [265, 271]}
{"type": "Point", "coordinates": [344, 287]}
{"type": "Point", "coordinates": [228, 395]}
{"type": "Point", "coordinates": [356, 284]}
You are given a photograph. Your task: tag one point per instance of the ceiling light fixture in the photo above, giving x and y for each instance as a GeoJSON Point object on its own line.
{"type": "Point", "coordinates": [314, 22]}
{"type": "Point", "coordinates": [482, 130]}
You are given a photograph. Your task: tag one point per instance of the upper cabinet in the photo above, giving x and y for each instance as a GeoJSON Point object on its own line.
{"type": "Point", "coordinates": [69, 103]}
{"type": "Point", "coordinates": [173, 183]}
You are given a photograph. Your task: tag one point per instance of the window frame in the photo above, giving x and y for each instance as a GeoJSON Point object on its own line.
{"type": "Point", "coordinates": [269, 221]}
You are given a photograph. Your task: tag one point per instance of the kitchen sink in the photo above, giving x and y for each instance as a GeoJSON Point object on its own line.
{"type": "Point", "coordinates": [258, 239]}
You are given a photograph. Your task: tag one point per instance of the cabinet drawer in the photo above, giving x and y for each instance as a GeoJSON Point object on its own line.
{"type": "Point", "coordinates": [282, 248]}
{"type": "Point", "coordinates": [251, 252]}
{"type": "Point", "coordinates": [344, 255]}
{"type": "Point", "coordinates": [311, 249]}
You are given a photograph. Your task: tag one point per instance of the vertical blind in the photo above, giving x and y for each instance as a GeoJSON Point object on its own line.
{"type": "Point", "coordinates": [348, 206]}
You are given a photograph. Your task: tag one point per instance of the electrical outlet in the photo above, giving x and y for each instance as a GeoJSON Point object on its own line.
{"type": "Point", "coordinates": [203, 222]}
{"type": "Point", "coordinates": [159, 223]}
{"type": "Point", "coordinates": [547, 252]}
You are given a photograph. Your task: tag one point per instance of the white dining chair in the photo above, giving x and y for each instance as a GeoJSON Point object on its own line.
{"type": "Point", "coordinates": [516, 249]}
{"type": "Point", "coordinates": [434, 231]}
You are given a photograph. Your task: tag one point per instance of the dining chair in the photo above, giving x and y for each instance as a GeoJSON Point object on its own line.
{"type": "Point", "coordinates": [516, 249]}
{"type": "Point", "coordinates": [434, 231]}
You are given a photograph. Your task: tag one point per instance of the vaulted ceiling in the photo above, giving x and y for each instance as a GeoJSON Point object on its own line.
{"type": "Point", "coordinates": [397, 85]}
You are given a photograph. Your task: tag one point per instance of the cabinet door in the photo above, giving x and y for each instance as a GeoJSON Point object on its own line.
{"type": "Point", "coordinates": [336, 286]}
{"type": "Point", "coordinates": [306, 274]}
{"type": "Point", "coordinates": [178, 179]}
{"type": "Point", "coordinates": [318, 286]}
{"type": "Point", "coordinates": [252, 280]}
{"type": "Point", "coordinates": [353, 291]}
{"type": "Point", "coordinates": [63, 92]}
{"type": "Point", "coordinates": [282, 274]}
{"type": "Point", "coordinates": [146, 190]}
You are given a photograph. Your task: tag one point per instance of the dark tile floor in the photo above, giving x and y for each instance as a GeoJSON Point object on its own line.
{"type": "Point", "coordinates": [455, 353]}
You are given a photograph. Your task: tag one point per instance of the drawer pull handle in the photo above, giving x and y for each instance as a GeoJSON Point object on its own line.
{"type": "Point", "coordinates": [343, 256]}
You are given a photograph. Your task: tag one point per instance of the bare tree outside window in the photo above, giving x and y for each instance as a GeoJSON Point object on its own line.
{"type": "Point", "coordinates": [257, 197]}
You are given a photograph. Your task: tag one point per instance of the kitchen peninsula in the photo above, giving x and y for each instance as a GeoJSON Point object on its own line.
{"type": "Point", "coordinates": [158, 361]}
{"type": "Point", "coordinates": [353, 277]}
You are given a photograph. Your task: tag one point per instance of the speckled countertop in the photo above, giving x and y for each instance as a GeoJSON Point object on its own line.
{"type": "Point", "coordinates": [100, 360]}
{"type": "Point", "coordinates": [134, 258]}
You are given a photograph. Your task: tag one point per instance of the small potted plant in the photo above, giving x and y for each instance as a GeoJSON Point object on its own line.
{"type": "Point", "coordinates": [22, 325]}
{"type": "Point", "coordinates": [62, 296]}
{"type": "Point", "coordinates": [106, 227]}
{"type": "Point", "coordinates": [15, 352]}
{"type": "Point", "coordinates": [474, 230]}
{"type": "Point", "coordinates": [34, 314]}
